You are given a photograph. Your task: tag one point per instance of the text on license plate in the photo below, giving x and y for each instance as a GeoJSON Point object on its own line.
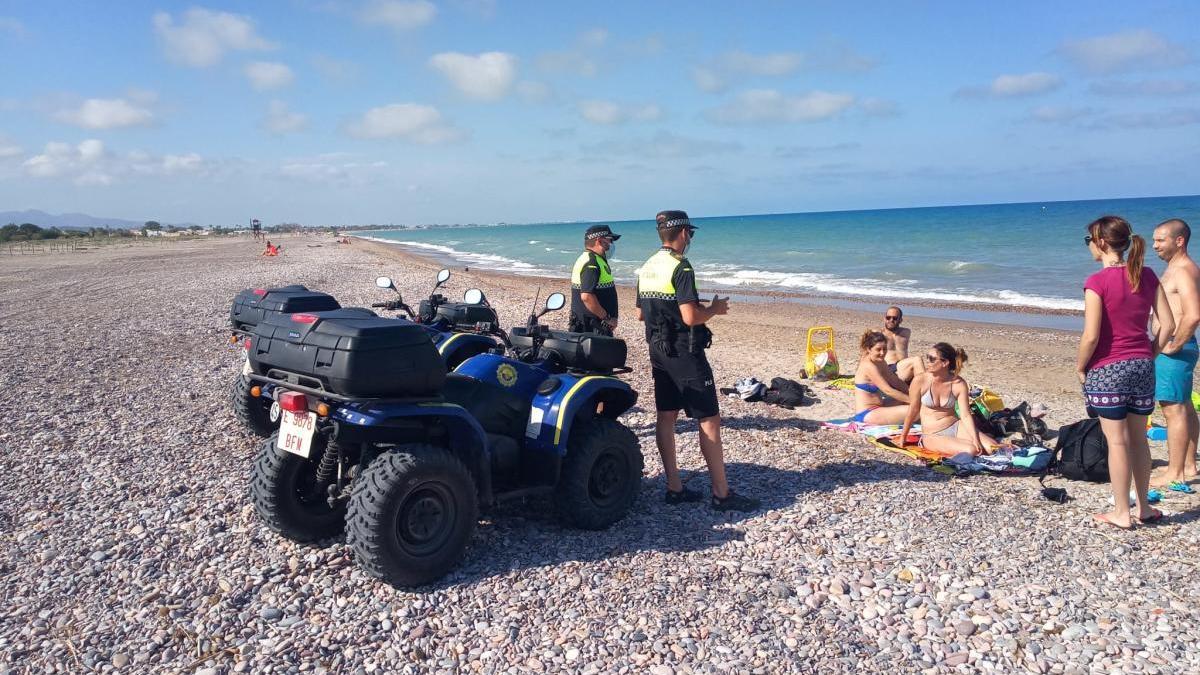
{"type": "Point", "coordinates": [296, 432]}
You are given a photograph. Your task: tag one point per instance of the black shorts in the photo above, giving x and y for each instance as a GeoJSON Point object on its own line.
{"type": "Point", "coordinates": [684, 382]}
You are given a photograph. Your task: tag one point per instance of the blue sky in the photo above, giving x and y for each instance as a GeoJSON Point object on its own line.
{"type": "Point", "coordinates": [413, 111]}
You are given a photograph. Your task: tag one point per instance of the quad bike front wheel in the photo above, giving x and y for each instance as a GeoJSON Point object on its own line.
{"type": "Point", "coordinates": [601, 474]}
{"type": "Point", "coordinates": [412, 514]}
{"type": "Point", "coordinates": [289, 498]}
{"type": "Point", "coordinates": [257, 414]}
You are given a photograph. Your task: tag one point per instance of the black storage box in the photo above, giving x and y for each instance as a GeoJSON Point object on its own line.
{"type": "Point", "coordinates": [462, 315]}
{"type": "Point", "coordinates": [582, 351]}
{"type": "Point", "coordinates": [251, 305]}
{"type": "Point", "coordinates": [351, 352]}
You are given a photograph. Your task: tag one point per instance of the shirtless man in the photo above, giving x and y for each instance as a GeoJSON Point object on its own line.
{"type": "Point", "coordinates": [897, 356]}
{"type": "Point", "coordinates": [1173, 372]}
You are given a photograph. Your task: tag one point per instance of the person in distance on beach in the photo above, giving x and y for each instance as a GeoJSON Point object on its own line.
{"type": "Point", "coordinates": [1115, 361]}
{"type": "Point", "coordinates": [879, 395]}
{"type": "Point", "coordinates": [668, 303]}
{"type": "Point", "coordinates": [593, 293]}
{"type": "Point", "coordinates": [1173, 372]}
{"type": "Point", "coordinates": [896, 357]}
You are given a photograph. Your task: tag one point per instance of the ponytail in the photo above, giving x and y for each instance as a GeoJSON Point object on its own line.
{"type": "Point", "coordinates": [960, 360]}
{"type": "Point", "coordinates": [1134, 261]}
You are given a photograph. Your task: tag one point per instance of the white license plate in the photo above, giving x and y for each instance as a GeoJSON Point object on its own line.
{"type": "Point", "coordinates": [296, 432]}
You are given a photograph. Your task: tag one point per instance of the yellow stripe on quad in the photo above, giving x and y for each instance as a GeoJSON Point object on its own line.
{"type": "Point", "coordinates": [562, 407]}
{"type": "Point", "coordinates": [447, 341]}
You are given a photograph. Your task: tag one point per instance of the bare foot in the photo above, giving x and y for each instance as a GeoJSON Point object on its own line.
{"type": "Point", "coordinates": [1165, 478]}
{"type": "Point", "coordinates": [1122, 523]}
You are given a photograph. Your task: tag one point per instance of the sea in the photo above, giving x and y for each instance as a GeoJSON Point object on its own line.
{"type": "Point", "coordinates": [1027, 258]}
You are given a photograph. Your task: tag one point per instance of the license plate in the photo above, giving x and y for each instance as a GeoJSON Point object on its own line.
{"type": "Point", "coordinates": [296, 432]}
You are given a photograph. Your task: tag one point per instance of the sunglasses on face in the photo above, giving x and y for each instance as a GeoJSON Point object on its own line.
{"type": "Point", "coordinates": [1087, 240]}
{"type": "Point", "coordinates": [930, 358]}
{"type": "Point", "coordinates": [891, 318]}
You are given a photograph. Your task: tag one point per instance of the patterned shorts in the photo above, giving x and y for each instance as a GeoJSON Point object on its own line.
{"type": "Point", "coordinates": [1121, 388]}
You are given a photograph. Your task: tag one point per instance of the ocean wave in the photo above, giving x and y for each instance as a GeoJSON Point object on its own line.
{"type": "Point", "coordinates": [534, 241]}
{"type": "Point", "coordinates": [486, 260]}
{"type": "Point", "coordinates": [874, 288]}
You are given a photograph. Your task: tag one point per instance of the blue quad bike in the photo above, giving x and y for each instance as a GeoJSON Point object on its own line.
{"type": "Point", "coordinates": [450, 325]}
{"type": "Point", "coordinates": [378, 441]}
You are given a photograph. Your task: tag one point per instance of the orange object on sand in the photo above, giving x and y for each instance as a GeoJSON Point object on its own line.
{"type": "Point", "coordinates": [910, 448]}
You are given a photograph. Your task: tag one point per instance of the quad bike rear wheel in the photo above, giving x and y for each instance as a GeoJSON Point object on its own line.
{"type": "Point", "coordinates": [258, 414]}
{"type": "Point", "coordinates": [287, 496]}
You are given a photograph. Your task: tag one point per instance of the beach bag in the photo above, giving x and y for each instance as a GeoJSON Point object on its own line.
{"type": "Point", "coordinates": [820, 358]}
{"type": "Point", "coordinates": [750, 389]}
{"type": "Point", "coordinates": [1082, 452]}
{"type": "Point", "coordinates": [987, 402]}
{"type": "Point", "coordinates": [785, 393]}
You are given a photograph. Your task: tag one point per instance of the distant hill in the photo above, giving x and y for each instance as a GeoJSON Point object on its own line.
{"type": "Point", "coordinates": [71, 221]}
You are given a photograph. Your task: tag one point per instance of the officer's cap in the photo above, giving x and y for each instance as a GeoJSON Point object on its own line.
{"type": "Point", "coordinates": [669, 220]}
{"type": "Point", "coordinates": [597, 231]}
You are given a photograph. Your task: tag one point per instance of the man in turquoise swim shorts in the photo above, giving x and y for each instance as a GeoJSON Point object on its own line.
{"type": "Point", "coordinates": [1173, 372]}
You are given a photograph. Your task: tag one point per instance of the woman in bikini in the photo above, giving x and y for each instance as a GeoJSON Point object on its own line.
{"type": "Point", "coordinates": [879, 396]}
{"type": "Point", "coordinates": [933, 394]}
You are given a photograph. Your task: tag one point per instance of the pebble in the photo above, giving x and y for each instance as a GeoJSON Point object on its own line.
{"type": "Point", "coordinates": [136, 543]}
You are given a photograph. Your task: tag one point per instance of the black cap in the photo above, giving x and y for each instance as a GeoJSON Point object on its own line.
{"type": "Point", "coordinates": [597, 231]}
{"type": "Point", "coordinates": [669, 220]}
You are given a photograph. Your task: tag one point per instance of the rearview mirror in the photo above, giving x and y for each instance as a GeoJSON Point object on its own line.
{"type": "Point", "coordinates": [473, 296]}
{"type": "Point", "coordinates": [443, 276]}
{"type": "Point", "coordinates": [384, 282]}
{"type": "Point", "coordinates": [555, 302]}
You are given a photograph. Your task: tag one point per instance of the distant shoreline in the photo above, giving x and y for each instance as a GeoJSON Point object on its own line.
{"type": "Point", "coordinates": [987, 313]}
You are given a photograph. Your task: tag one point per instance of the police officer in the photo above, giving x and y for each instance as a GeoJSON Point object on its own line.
{"type": "Point", "coordinates": [593, 294]}
{"type": "Point", "coordinates": [668, 303]}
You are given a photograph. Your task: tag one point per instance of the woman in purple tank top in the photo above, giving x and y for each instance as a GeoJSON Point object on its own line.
{"type": "Point", "coordinates": [1115, 362]}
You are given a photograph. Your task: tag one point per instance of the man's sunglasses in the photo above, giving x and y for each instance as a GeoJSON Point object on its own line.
{"type": "Point", "coordinates": [891, 318]}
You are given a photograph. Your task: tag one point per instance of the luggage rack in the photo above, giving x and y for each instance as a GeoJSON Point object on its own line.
{"type": "Point", "coordinates": [294, 381]}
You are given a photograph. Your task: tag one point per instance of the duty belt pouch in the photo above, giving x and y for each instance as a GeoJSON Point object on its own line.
{"type": "Point", "coordinates": [664, 338]}
{"type": "Point", "coordinates": [699, 339]}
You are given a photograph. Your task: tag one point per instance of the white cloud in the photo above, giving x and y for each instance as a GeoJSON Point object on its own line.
{"type": "Point", "coordinates": [594, 37]}
{"type": "Point", "coordinates": [708, 80]}
{"type": "Point", "coordinates": [325, 169]}
{"type": "Point", "coordinates": [408, 121]}
{"type": "Point", "coordinates": [768, 106]}
{"type": "Point", "coordinates": [487, 77]}
{"type": "Point", "coordinates": [736, 66]}
{"type": "Point", "coordinates": [281, 120]}
{"type": "Point", "coordinates": [334, 69]}
{"type": "Point", "coordinates": [1136, 49]}
{"type": "Point", "coordinates": [608, 112]}
{"type": "Point", "coordinates": [1011, 86]}
{"type": "Point", "coordinates": [203, 36]}
{"type": "Point", "coordinates": [265, 75]}
{"type": "Point", "coordinates": [1025, 85]}
{"type": "Point", "coordinates": [1144, 88]}
{"type": "Point", "coordinates": [662, 145]}
{"type": "Point", "coordinates": [1158, 119]}
{"type": "Point", "coordinates": [532, 91]}
{"type": "Point", "coordinates": [1058, 114]}
{"type": "Point", "coordinates": [8, 149]}
{"type": "Point", "coordinates": [399, 15]}
{"type": "Point", "coordinates": [12, 26]}
{"type": "Point", "coordinates": [579, 59]}
{"type": "Point", "coordinates": [90, 163]}
{"type": "Point", "coordinates": [106, 113]}
{"type": "Point", "coordinates": [879, 107]}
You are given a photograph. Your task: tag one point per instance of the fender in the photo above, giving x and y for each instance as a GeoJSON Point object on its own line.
{"type": "Point", "coordinates": [371, 422]}
{"type": "Point", "coordinates": [452, 344]}
{"type": "Point", "coordinates": [552, 413]}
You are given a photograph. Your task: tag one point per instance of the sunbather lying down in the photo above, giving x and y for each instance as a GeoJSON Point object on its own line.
{"type": "Point", "coordinates": [879, 395]}
{"type": "Point", "coordinates": [933, 395]}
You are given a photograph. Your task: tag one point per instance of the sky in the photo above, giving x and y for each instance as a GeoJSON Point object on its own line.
{"type": "Point", "coordinates": [414, 111]}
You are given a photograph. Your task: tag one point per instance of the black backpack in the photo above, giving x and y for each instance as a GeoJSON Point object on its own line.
{"type": "Point", "coordinates": [1082, 452]}
{"type": "Point", "coordinates": [785, 393]}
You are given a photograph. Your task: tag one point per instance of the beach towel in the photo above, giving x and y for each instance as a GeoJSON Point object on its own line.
{"type": "Point", "coordinates": [846, 383]}
{"type": "Point", "coordinates": [911, 448]}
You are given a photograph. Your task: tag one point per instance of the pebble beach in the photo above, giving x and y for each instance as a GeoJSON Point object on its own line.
{"type": "Point", "coordinates": [128, 543]}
